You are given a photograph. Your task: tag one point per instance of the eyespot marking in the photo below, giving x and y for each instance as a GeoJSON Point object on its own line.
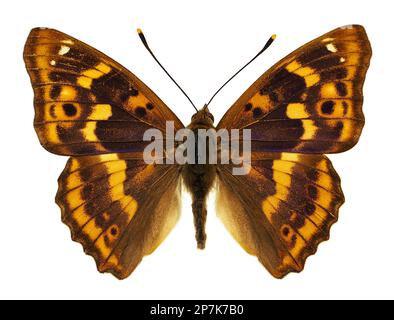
{"type": "Point", "coordinates": [69, 109]}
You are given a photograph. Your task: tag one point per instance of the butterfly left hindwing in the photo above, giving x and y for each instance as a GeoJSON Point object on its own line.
{"type": "Point", "coordinates": [118, 207]}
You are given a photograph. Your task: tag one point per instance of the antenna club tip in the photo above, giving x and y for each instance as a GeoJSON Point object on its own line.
{"type": "Point", "coordinates": [273, 37]}
{"type": "Point", "coordinates": [139, 31]}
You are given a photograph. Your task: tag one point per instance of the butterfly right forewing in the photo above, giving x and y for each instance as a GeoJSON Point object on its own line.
{"type": "Point", "coordinates": [310, 101]}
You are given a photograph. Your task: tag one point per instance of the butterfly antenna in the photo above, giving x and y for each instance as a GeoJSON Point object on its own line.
{"type": "Point", "coordinates": [268, 43]}
{"type": "Point", "coordinates": [143, 39]}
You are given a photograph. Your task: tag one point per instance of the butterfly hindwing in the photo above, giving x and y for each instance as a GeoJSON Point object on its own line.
{"type": "Point", "coordinates": [310, 101]}
{"type": "Point", "coordinates": [85, 102]}
{"type": "Point", "coordinates": [118, 207]}
{"type": "Point", "coordinates": [282, 209]}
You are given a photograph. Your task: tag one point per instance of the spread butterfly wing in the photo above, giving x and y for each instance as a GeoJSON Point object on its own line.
{"type": "Point", "coordinates": [88, 106]}
{"type": "Point", "coordinates": [282, 209]}
{"type": "Point", "coordinates": [85, 102]}
{"type": "Point", "coordinates": [118, 207]}
{"type": "Point", "coordinates": [310, 101]}
{"type": "Point", "coordinates": [307, 104]}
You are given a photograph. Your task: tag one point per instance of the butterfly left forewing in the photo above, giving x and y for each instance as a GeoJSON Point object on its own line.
{"type": "Point", "coordinates": [85, 102]}
{"type": "Point", "coordinates": [282, 209]}
{"type": "Point", "coordinates": [310, 101]}
{"type": "Point", "coordinates": [118, 207]}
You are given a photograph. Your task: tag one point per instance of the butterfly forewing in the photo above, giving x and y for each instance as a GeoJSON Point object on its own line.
{"type": "Point", "coordinates": [310, 101]}
{"type": "Point", "coordinates": [85, 102]}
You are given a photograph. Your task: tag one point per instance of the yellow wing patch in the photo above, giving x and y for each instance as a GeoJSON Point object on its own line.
{"type": "Point", "coordinates": [87, 77]}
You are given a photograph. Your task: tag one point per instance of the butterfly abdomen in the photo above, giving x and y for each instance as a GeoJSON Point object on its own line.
{"type": "Point", "coordinates": [199, 177]}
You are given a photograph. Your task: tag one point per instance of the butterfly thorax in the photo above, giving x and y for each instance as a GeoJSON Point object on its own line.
{"type": "Point", "coordinates": [199, 178]}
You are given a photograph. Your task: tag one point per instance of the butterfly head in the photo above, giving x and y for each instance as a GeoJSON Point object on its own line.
{"type": "Point", "coordinates": [203, 117]}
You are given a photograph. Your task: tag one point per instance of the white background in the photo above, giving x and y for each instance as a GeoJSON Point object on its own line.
{"type": "Point", "coordinates": [201, 43]}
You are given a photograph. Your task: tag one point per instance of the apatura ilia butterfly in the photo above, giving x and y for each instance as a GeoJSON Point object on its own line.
{"type": "Point", "coordinates": [120, 208]}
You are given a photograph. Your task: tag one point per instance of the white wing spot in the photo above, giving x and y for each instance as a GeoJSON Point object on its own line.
{"type": "Point", "coordinates": [63, 50]}
{"type": "Point", "coordinates": [52, 63]}
{"type": "Point", "coordinates": [68, 41]}
{"type": "Point", "coordinates": [331, 47]}
{"type": "Point", "coordinates": [327, 39]}
{"type": "Point", "coordinates": [342, 59]}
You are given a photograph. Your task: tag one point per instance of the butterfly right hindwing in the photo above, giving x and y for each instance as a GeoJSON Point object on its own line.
{"type": "Point", "coordinates": [282, 209]}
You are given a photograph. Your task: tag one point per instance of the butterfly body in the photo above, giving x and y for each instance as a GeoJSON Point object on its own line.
{"type": "Point", "coordinates": [199, 178]}
{"type": "Point", "coordinates": [121, 207]}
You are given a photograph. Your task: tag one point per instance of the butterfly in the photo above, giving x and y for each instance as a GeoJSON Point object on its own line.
{"type": "Point", "coordinates": [120, 208]}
